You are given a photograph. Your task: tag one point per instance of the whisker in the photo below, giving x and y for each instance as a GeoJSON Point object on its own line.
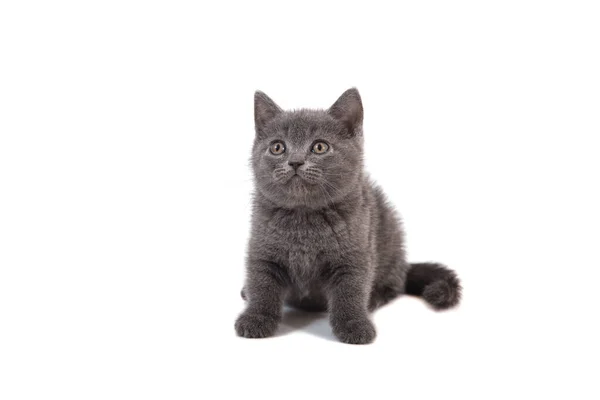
{"type": "Point", "coordinates": [334, 188]}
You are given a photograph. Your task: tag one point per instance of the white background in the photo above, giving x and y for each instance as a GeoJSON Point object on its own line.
{"type": "Point", "coordinates": [125, 134]}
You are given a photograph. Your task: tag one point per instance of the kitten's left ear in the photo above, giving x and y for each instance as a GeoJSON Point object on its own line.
{"type": "Point", "coordinates": [265, 110]}
{"type": "Point", "coordinates": [348, 109]}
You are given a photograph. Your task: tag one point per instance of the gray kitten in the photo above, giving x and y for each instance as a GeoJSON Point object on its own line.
{"type": "Point", "coordinates": [323, 236]}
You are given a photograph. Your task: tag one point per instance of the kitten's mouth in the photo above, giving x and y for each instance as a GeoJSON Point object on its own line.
{"type": "Point", "coordinates": [296, 179]}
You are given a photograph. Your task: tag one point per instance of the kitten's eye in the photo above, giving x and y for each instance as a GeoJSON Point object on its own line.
{"type": "Point", "coordinates": [320, 147]}
{"type": "Point", "coordinates": [277, 148]}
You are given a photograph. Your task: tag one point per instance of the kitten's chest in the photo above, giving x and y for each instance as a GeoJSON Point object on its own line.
{"type": "Point", "coordinates": [305, 241]}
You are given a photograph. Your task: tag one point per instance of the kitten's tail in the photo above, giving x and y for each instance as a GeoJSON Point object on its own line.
{"type": "Point", "coordinates": [438, 285]}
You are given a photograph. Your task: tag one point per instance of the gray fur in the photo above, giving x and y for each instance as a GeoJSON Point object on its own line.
{"type": "Point", "coordinates": [323, 235]}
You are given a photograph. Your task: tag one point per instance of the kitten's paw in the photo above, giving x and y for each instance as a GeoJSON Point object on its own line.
{"type": "Point", "coordinates": [354, 331]}
{"type": "Point", "coordinates": [256, 325]}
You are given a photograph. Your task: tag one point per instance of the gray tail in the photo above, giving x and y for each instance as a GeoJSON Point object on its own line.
{"type": "Point", "coordinates": [438, 285]}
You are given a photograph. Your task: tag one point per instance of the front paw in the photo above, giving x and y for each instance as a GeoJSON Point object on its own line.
{"type": "Point", "coordinates": [251, 325]}
{"type": "Point", "coordinates": [354, 331]}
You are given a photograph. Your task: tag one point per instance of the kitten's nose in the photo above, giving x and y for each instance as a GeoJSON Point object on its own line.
{"type": "Point", "coordinates": [295, 163]}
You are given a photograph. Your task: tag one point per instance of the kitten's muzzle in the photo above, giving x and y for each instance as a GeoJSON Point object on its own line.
{"type": "Point", "coordinates": [295, 164]}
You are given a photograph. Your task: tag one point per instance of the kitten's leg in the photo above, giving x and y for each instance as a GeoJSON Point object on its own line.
{"type": "Point", "coordinates": [264, 290]}
{"type": "Point", "coordinates": [349, 292]}
{"type": "Point", "coordinates": [383, 294]}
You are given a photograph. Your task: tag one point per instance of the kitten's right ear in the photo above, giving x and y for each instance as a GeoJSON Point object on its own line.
{"type": "Point", "coordinates": [265, 110]}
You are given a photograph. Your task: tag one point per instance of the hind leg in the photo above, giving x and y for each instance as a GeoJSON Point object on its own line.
{"type": "Point", "coordinates": [383, 294]}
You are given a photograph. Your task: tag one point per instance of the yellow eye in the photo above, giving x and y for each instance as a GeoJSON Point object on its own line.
{"type": "Point", "coordinates": [320, 147]}
{"type": "Point", "coordinates": [277, 148]}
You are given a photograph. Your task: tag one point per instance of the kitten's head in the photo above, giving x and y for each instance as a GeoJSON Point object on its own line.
{"type": "Point", "coordinates": [304, 157]}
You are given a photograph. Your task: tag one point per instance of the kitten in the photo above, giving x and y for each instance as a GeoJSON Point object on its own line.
{"type": "Point", "coordinates": [323, 236]}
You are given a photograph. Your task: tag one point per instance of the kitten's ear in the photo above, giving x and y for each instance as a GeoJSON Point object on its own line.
{"type": "Point", "coordinates": [265, 110]}
{"type": "Point", "coordinates": [348, 109]}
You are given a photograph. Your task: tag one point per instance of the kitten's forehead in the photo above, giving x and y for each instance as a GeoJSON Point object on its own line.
{"type": "Point", "coordinates": [304, 124]}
